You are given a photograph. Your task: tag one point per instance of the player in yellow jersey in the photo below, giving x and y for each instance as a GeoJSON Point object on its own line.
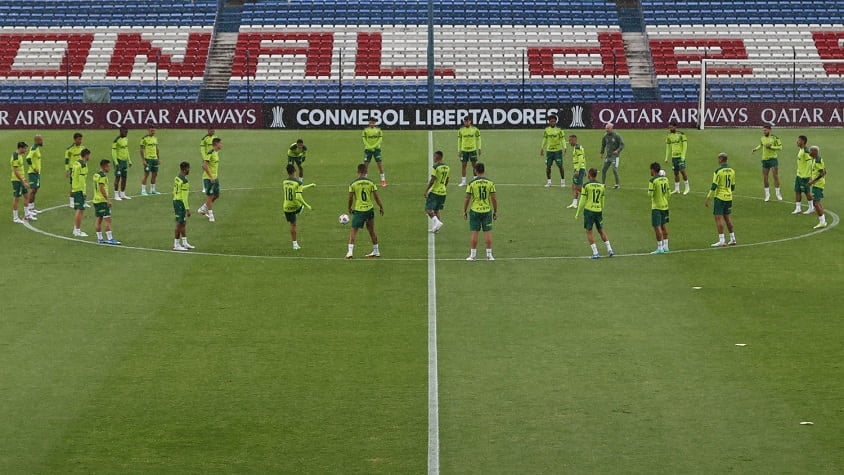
{"type": "Point", "coordinates": [294, 202]}
{"type": "Point", "coordinates": [723, 186]}
{"type": "Point", "coordinates": [818, 182]}
{"type": "Point", "coordinates": [435, 192]}
{"type": "Point", "coordinates": [210, 167]}
{"type": "Point", "coordinates": [102, 204]}
{"type": "Point", "coordinates": [480, 194]}
{"type": "Point", "coordinates": [181, 191]}
{"type": "Point", "coordinates": [468, 147]}
{"type": "Point", "coordinates": [659, 191]}
{"type": "Point", "coordinates": [362, 191]}
{"type": "Point", "coordinates": [71, 156]}
{"type": "Point", "coordinates": [297, 152]}
{"type": "Point", "coordinates": [578, 158]}
{"type": "Point", "coordinates": [205, 147]}
{"type": "Point", "coordinates": [804, 174]}
{"type": "Point", "coordinates": [79, 189]}
{"type": "Point", "coordinates": [372, 140]}
{"type": "Point", "coordinates": [770, 145]}
{"type": "Point", "coordinates": [592, 204]}
{"type": "Point", "coordinates": [20, 187]}
{"type": "Point", "coordinates": [676, 145]}
{"type": "Point", "coordinates": [33, 162]}
{"type": "Point", "coordinates": [151, 158]}
{"type": "Point", "coordinates": [122, 160]}
{"type": "Point", "coordinates": [553, 149]}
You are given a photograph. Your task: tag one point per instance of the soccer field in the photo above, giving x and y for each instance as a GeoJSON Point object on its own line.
{"type": "Point", "coordinates": [246, 356]}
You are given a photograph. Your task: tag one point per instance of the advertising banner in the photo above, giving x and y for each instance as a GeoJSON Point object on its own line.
{"type": "Point", "coordinates": [656, 115]}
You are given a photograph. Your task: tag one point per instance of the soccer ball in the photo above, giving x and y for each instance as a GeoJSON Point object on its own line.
{"type": "Point", "coordinates": [344, 219]}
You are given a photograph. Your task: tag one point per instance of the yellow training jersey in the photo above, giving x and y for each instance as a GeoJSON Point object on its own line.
{"type": "Point", "coordinates": [481, 190]}
{"type": "Point", "coordinates": [468, 139]}
{"type": "Point", "coordinates": [33, 159]}
{"type": "Point", "coordinates": [439, 172]}
{"type": "Point", "coordinates": [181, 190]}
{"type": "Point", "coordinates": [364, 190]}
{"type": "Point", "coordinates": [723, 183]}
{"type": "Point", "coordinates": [149, 147]}
{"type": "Point", "coordinates": [213, 160]}
{"type": "Point", "coordinates": [659, 189]}
{"type": "Point", "coordinates": [100, 178]}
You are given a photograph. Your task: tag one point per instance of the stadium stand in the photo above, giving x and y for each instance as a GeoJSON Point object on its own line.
{"type": "Point", "coordinates": [354, 51]}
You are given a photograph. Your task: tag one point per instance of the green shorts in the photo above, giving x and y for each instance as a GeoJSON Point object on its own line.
{"type": "Point", "coordinates": [152, 165]}
{"type": "Point", "coordinates": [801, 185]}
{"type": "Point", "coordinates": [297, 160]}
{"type": "Point", "coordinates": [359, 218]}
{"type": "Point", "coordinates": [469, 156]}
{"type": "Point", "coordinates": [434, 202]}
{"type": "Point", "coordinates": [579, 177]}
{"type": "Point", "coordinates": [78, 200]}
{"type": "Point", "coordinates": [591, 218]}
{"type": "Point", "coordinates": [659, 217]}
{"type": "Point", "coordinates": [817, 193]}
{"type": "Point", "coordinates": [121, 168]}
{"type": "Point", "coordinates": [211, 189]}
{"type": "Point", "coordinates": [291, 217]}
{"type": "Point", "coordinates": [368, 155]}
{"type": "Point", "coordinates": [102, 210]}
{"type": "Point", "coordinates": [722, 208]}
{"type": "Point", "coordinates": [34, 181]}
{"type": "Point", "coordinates": [179, 209]}
{"type": "Point", "coordinates": [770, 163]}
{"type": "Point", "coordinates": [18, 189]}
{"type": "Point", "coordinates": [552, 157]}
{"type": "Point", "coordinates": [480, 221]}
{"type": "Point", "coordinates": [678, 164]}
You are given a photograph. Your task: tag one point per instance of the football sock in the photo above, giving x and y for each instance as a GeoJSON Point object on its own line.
{"type": "Point", "coordinates": [594, 248]}
{"type": "Point", "coordinates": [185, 240]}
{"type": "Point", "coordinates": [609, 247]}
{"type": "Point", "coordinates": [732, 236]}
{"type": "Point", "coordinates": [109, 236]}
{"type": "Point", "coordinates": [721, 238]}
{"type": "Point", "coordinates": [823, 218]}
{"type": "Point", "coordinates": [473, 252]}
{"type": "Point", "coordinates": [99, 236]}
{"type": "Point", "coordinates": [686, 183]}
{"type": "Point", "coordinates": [175, 243]}
{"type": "Point", "coordinates": [383, 177]}
{"type": "Point", "coordinates": [143, 188]}
{"type": "Point", "coordinates": [351, 249]}
{"type": "Point", "coordinates": [489, 252]}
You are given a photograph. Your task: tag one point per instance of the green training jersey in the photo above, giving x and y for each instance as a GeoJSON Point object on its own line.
{"type": "Point", "coordinates": [481, 190]}
{"type": "Point", "coordinates": [372, 138]}
{"type": "Point", "coordinates": [363, 188]}
{"type": "Point", "coordinates": [676, 145]}
{"type": "Point", "coordinates": [149, 147]}
{"type": "Point", "coordinates": [817, 166]}
{"type": "Point", "coordinates": [120, 150]}
{"type": "Point", "coordinates": [723, 183]}
{"type": "Point", "coordinates": [578, 157]}
{"type": "Point", "coordinates": [79, 176]}
{"type": "Point", "coordinates": [774, 142]}
{"type": "Point", "coordinates": [100, 178]}
{"type": "Point", "coordinates": [72, 155]}
{"type": "Point", "coordinates": [659, 189]}
{"type": "Point", "coordinates": [468, 139]}
{"type": "Point", "coordinates": [592, 197]}
{"type": "Point", "coordinates": [181, 190]}
{"type": "Point", "coordinates": [440, 173]}
{"type": "Point", "coordinates": [17, 166]}
{"type": "Point", "coordinates": [33, 159]}
{"type": "Point", "coordinates": [206, 144]}
{"type": "Point", "coordinates": [610, 143]}
{"type": "Point", "coordinates": [292, 190]}
{"type": "Point", "coordinates": [213, 160]}
{"type": "Point", "coordinates": [804, 163]}
{"type": "Point", "coordinates": [294, 152]}
{"type": "Point", "coordinates": [552, 139]}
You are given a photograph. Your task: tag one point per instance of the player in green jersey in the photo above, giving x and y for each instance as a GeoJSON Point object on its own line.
{"type": "Point", "coordinates": [71, 156]}
{"type": "Point", "coordinates": [611, 146]}
{"type": "Point", "coordinates": [122, 160]}
{"type": "Point", "coordinates": [658, 191]}
{"type": "Point", "coordinates": [818, 182]}
{"type": "Point", "coordinates": [804, 174]}
{"type": "Point", "coordinates": [675, 149]}
{"type": "Point", "coordinates": [294, 202]}
{"type": "Point", "coordinates": [102, 204]}
{"type": "Point", "coordinates": [592, 204]}
{"type": "Point", "coordinates": [770, 145]}
{"type": "Point", "coordinates": [723, 186]}
{"type": "Point", "coordinates": [181, 191]}
{"type": "Point", "coordinates": [578, 158]}
{"type": "Point", "coordinates": [297, 153]}
{"type": "Point", "coordinates": [372, 140]}
{"type": "Point", "coordinates": [553, 149]}
{"type": "Point", "coordinates": [481, 209]}
{"type": "Point", "coordinates": [20, 186]}
{"type": "Point", "coordinates": [33, 162]}
{"type": "Point", "coordinates": [361, 193]}
{"type": "Point", "coordinates": [205, 147]}
{"type": "Point", "coordinates": [468, 147]}
{"type": "Point", "coordinates": [79, 189]}
{"type": "Point", "coordinates": [151, 158]}
{"type": "Point", "coordinates": [210, 166]}
{"type": "Point", "coordinates": [435, 192]}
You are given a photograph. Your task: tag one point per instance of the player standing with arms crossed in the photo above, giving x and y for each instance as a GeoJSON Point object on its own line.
{"type": "Point", "coordinates": [372, 140]}
{"type": "Point", "coordinates": [770, 145]}
{"type": "Point", "coordinates": [554, 150]}
{"type": "Point", "coordinates": [122, 160]}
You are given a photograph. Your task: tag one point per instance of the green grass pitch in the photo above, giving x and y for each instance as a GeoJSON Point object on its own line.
{"type": "Point", "coordinates": [245, 356]}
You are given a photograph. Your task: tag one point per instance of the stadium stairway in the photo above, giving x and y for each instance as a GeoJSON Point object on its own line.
{"type": "Point", "coordinates": [218, 68]}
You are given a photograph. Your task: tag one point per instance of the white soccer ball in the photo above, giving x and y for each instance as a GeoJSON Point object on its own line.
{"type": "Point", "coordinates": [343, 219]}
